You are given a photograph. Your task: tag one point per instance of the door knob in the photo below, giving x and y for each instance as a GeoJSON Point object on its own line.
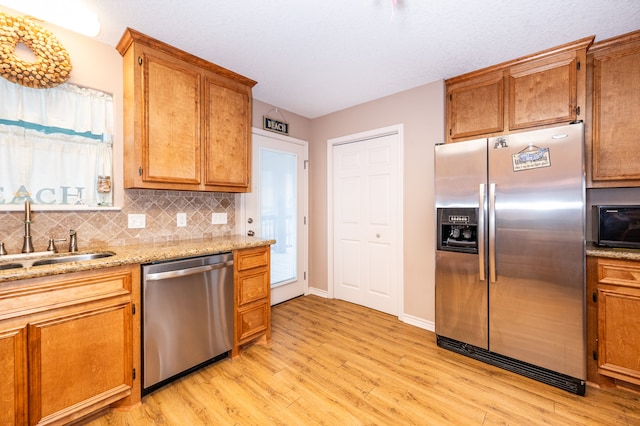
{"type": "Point", "coordinates": [250, 220]}
{"type": "Point", "coordinates": [251, 233]}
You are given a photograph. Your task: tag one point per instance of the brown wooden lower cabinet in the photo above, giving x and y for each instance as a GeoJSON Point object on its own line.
{"type": "Point", "coordinates": [13, 370]}
{"type": "Point", "coordinates": [614, 287]}
{"type": "Point", "coordinates": [252, 298]}
{"type": "Point", "coordinates": [66, 345]}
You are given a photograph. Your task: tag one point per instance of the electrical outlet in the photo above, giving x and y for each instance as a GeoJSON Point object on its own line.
{"type": "Point", "coordinates": [218, 218]}
{"type": "Point", "coordinates": [181, 219]}
{"type": "Point", "coordinates": [137, 220]}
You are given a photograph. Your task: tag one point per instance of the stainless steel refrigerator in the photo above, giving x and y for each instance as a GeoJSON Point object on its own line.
{"type": "Point", "coordinates": [510, 253]}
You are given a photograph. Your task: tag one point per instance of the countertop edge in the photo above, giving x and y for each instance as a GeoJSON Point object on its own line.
{"type": "Point", "coordinates": [612, 253]}
{"type": "Point", "coordinates": [138, 254]}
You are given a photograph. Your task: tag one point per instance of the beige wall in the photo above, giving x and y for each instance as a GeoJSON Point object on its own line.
{"type": "Point", "coordinates": [299, 126]}
{"type": "Point", "coordinates": [421, 110]}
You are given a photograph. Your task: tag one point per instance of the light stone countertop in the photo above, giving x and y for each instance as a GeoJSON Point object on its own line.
{"type": "Point", "coordinates": [612, 253]}
{"type": "Point", "coordinates": [127, 255]}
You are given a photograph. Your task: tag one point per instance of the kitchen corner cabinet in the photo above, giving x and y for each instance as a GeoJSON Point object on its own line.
{"type": "Point", "coordinates": [542, 89]}
{"type": "Point", "coordinates": [65, 345]}
{"type": "Point", "coordinates": [614, 103]}
{"type": "Point", "coordinates": [252, 306]}
{"type": "Point", "coordinates": [618, 318]}
{"type": "Point", "coordinates": [187, 122]}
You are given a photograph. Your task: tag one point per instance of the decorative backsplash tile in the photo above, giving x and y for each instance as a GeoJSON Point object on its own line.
{"type": "Point", "coordinates": [110, 228]}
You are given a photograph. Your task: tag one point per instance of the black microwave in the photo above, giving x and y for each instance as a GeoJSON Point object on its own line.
{"type": "Point", "coordinates": [616, 226]}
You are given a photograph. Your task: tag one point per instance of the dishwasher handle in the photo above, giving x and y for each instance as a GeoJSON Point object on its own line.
{"type": "Point", "coordinates": [188, 271]}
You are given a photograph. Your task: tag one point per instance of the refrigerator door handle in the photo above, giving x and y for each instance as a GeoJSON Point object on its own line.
{"type": "Point", "coordinates": [481, 231]}
{"type": "Point", "coordinates": [492, 233]}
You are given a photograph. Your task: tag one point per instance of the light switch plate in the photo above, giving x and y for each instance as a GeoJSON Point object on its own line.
{"type": "Point", "coordinates": [181, 220]}
{"type": "Point", "coordinates": [218, 218]}
{"type": "Point", "coordinates": [137, 220]}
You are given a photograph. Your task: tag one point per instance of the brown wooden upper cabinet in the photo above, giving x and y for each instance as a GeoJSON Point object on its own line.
{"type": "Point", "coordinates": [542, 89]}
{"type": "Point", "coordinates": [187, 122]}
{"type": "Point", "coordinates": [614, 104]}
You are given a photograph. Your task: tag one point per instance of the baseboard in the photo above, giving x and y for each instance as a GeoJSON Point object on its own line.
{"type": "Point", "coordinates": [418, 322]}
{"type": "Point", "coordinates": [406, 318]}
{"type": "Point", "coordinates": [317, 292]}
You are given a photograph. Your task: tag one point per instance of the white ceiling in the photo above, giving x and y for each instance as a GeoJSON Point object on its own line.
{"type": "Point", "coordinates": [314, 57]}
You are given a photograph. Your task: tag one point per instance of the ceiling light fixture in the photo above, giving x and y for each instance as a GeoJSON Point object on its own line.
{"type": "Point", "coordinates": [69, 14]}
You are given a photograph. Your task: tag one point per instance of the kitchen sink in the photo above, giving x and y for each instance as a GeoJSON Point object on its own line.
{"type": "Point", "coordinates": [72, 258]}
{"type": "Point", "coordinates": [10, 266]}
{"type": "Point", "coordinates": [22, 261]}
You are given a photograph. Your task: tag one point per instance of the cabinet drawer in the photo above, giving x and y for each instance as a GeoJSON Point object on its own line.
{"type": "Point", "coordinates": [252, 258]}
{"type": "Point", "coordinates": [253, 287]}
{"type": "Point", "coordinates": [41, 294]}
{"type": "Point", "coordinates": [618, 273]}
{"type": "Point", "coordinates": [252, 321]}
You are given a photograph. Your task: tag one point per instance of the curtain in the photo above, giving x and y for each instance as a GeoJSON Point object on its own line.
{"type": "Point", "coordinates": [65, 106]}
{"type": "Point", "coordinates": [55, 144]}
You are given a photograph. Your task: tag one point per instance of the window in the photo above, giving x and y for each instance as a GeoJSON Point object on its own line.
{"type": "Point", "coordinates": [55, 147]}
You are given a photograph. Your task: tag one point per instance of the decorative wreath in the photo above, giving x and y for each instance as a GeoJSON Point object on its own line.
{"type": "Point", "coordinates": [52, 66]}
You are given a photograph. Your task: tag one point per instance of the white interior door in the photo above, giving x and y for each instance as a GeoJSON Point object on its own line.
{"type": "Point", "coordinates": [277, 207]}
{"type": "Point", "coordinates": [367, 200]}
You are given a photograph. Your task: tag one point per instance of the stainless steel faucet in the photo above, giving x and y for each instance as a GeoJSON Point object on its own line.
{"type": "Point", "coordinates": [73, 241]}
{"type": "Point", "coordinates": [27, 245]}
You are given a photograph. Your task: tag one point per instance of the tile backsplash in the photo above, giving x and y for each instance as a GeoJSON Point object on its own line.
{"type": "Point", "coordinates": [110, 228]}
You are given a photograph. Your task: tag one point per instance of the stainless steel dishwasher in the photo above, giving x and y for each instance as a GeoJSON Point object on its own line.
{"type": "Point", "coordinates": [187, 317]}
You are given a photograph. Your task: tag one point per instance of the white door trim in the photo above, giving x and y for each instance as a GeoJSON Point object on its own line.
{"type": "Point", "coordinates": [241, 219]}
{"type": "Point", "coordinates": [395, 129]}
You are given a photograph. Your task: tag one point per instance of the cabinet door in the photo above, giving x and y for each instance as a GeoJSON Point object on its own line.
{"type": "Point", "coordinates": [475, 106]}
{"type": "Point", "coordinates": [616, 108]}
{"type": "Point", "coordinates": [79, 363]}
{"type": "Point", "coordinates": [227, 139]}
{"type": "Point", "coordinates": [13, 371]}
{"type": "Point", "coordinates": [171, 130]}
{"type": "Point", "coordinates": [543, 92]}
{"type": "Point", "coordinates": [619, 337]}
{"type": "Point", "coordinates": [619, 319]}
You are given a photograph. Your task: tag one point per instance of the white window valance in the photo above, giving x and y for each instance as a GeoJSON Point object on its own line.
{"type": "Point", "coordinates": [66, 106]}
{"type": "Point", "coordinates": [55, 145]}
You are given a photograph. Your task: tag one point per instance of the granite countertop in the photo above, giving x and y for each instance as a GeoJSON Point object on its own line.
{"type": "Point", "coordinates": [613, 253]}
{"type": "Point", "coordinates": [127, 255]}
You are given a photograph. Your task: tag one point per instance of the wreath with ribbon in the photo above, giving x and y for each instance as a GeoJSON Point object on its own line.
{"type": "Point", "coordinates": [52, 65]}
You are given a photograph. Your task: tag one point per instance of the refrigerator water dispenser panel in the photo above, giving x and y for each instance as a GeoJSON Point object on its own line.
{"type": "Point", "coordinates": [458, 229]}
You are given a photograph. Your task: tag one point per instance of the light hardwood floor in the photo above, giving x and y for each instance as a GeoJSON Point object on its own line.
{"type": "Point", "coordinates": [335, 363]}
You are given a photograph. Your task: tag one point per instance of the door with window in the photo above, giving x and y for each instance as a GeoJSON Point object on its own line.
{"type": "Point", "coordinates": [276, 208]}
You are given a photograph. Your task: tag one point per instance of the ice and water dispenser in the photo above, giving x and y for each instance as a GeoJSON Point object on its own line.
{"type": "Point", "coordinates": [458, 229]}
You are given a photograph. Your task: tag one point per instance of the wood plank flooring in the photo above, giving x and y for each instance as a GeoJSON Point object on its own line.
{"type": "Point", "coordinates": [335, 363]}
